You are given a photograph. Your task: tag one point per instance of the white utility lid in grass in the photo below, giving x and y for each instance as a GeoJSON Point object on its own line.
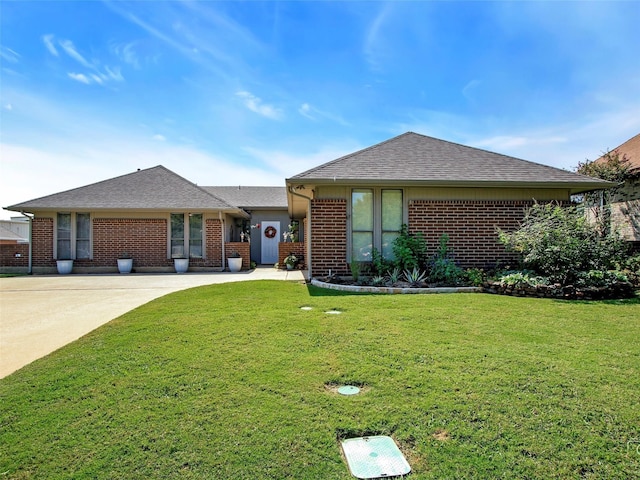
{"type": "Point", "coordinates": [348, 390]}
{"type": "Point", "coordinates": [306, 308]}
{"type": "Point", "coordinates": [374, 457]}
{"type": "Point", "coordinates": [333, 312]}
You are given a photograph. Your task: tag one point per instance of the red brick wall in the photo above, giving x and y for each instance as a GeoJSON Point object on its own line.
{"type": "Point", "coordinates": [213, 239]}
{"type": "Point", "coordinates": [243, 248]}
{"type": "Point", "coordinates": [8, 255]}
{"type": "Point", "coordinates": [145, 239]}
{"type": "Point", "coordinates": [42, 238]}
{"type": "Point", "coordinates": [285, 248]}
{"type": "Point", "coordinates": [329, 237]}
{"type": "Point", "coordinates": [471, 226]}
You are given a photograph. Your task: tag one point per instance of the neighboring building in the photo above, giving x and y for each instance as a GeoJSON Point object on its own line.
{"type": "Point", "coordinates": [343, 208]}
{"type": "Point", "coordinates": [625, 199]}
{"type": "Point", "coordinates": [360, 201]}
{"type": "Point", "coordinates": [14, 231]}
{"type": "Point", "coordinates": [14, 243]}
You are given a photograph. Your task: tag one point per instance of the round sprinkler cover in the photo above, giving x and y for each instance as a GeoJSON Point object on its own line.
{"type": "Point", "coordinates": [348, 390]}
{"type": "Point", "coordinates": [306, 308]}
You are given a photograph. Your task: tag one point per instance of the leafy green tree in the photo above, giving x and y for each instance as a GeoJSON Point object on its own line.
{"type": "Point", "coordinates": [559, 242]}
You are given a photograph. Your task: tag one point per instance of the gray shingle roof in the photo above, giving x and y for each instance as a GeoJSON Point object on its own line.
{"type": "Point", "coordinates": [154, 188]}
{"type": "Point", "coordinates": [415, 158]}
{"type": "Point", "coordinates": [252, 197]}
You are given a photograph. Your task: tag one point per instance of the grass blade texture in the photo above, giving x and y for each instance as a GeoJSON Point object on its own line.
{"type": "Point", "coordinates": [236, 381]}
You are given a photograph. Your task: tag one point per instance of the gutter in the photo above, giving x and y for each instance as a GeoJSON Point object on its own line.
{"type": "Point", "coordinates": [307, 237]}
{"type": "Point", "coordinates": [30, 217]}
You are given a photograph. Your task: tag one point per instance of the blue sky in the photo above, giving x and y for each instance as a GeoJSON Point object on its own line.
{"type": "Point", "coordinates": [227, 93]}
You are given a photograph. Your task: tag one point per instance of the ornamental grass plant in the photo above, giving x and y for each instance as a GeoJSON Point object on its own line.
{"type": "Point", "coordinates": [237, 381]}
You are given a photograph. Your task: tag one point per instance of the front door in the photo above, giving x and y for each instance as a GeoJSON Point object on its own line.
{"type": "Point", "coordinates": [270, 240]}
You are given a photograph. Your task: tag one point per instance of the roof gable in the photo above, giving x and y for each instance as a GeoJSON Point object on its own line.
{"type": "Point", "coordinates": [629, 149]}
{"type": "Point", "coordinates": [415, 158]}
{"type": "Point", "coordinates": [155, 188]}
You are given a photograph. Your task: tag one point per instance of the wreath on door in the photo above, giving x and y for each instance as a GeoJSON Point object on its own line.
{"type": "Point", "coordinates": [270, 232]}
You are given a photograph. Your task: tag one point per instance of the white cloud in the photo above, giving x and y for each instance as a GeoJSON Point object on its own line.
{"type": "Point", "coordinates": [312, 113]}
{"type": "Point", "coordinates": [127, 53]}
{"type": "Point", "coordinates": [373, 41]}
{"type": "Point", "coordinates": [79, 77]}
{"type": "Point", "coordinates": [256, 105]}
{"type": "Point", "coordinates": [9, 55]}
{"type": "Point", "coordinates": [70, 49]}
{"type": "Point", "coordinates": [305, 111]}
{"type": "Point", "coordinates": [159, 138]}
{"type": "Point", "coordinates": [48, 42]}
{"type": "Point", "coordinates": [8, 106]}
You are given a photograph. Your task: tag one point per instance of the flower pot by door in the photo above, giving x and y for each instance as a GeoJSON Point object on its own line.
{"type": "Point", "coordinates": [181, 264]}
{"type": "Point", "coordinates": [64, 266]}
{"type": "Point", "coordinates": [125, 265]}
{"type": "Point", "coordinates": [235, 264]}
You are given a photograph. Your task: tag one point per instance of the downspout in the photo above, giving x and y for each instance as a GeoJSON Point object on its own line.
{"type": "Point", "coordinates": [307, 237]}
{"type": "Point", "coordinates": [222, 236]}
{"type": "Point", "coordinates": [30, 217]}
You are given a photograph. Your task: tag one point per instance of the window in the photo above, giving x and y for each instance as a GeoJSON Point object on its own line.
{"type": "Point", "coordinates": [391, 220]}
{"type": "Point", "coordinates": [83, 235]}
{"type": "Point", "coordinates": [377, 216]}
{"type": "Point", "coordinates": [73, 240]}
{"type": "Point", "coordinates": [64, 237]}
{"type": "Point", "coordinates": [186, 235]}
{"type": "Point", "coordinates": [195, 235]}
{"type": "Point", "coordinates": [362, 224]}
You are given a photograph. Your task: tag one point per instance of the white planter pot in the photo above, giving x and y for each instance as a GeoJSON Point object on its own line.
{"type": "Point", "coordinates": [125, 265]}
{"type": "Point", "coordinates": [64, 266]}
{"type": "Point", "coordinates": [235, 264]}
{"type": "Point", "coordinates": [181, 264]}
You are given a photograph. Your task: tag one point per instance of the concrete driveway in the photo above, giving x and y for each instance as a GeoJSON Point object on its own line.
{"type": "Point", "coordinates": [39, 314]}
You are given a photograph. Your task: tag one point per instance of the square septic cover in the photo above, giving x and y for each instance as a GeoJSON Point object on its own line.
{"type": "Point", "coordinates": [374, 457]}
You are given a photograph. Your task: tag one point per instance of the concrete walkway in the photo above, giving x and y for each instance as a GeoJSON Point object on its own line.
{"type": "Point", "coordinates": [39, 314]}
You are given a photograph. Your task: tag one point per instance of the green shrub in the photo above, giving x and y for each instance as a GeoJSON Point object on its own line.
{"type": "Point", "coordinates": [475, 276]}
{"type": "Point", "coordinates": [442, 267]}
{"type": "Point", "coordinates": [559, 242]}
{"type": "Point", "coordinates": [599, 278]}
{"type": "Point", "coordinates": [409, 250]}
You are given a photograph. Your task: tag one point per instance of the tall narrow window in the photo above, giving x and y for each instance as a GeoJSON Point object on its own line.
{"type": "Point", "coordinates": [63, 236]}
{"type": "Point", "coordinates": [83, 235]}
{"type": "Point", "coordinates": [195, 235]}
{"type": "Point", "coordinates": [362, 224]}
{"type": "Point", "coordinates": [391, 220]}
{"type": "Point", "coordinates": [177, 235]}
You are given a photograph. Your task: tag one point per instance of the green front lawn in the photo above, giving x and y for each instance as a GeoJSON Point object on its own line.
{"type": "Point", "coordinates": [235, 381]}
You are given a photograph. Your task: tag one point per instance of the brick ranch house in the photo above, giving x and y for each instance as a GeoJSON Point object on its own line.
{"type": "Point", "coordinates": [154, 216]}
{"type": "Point", "coordinates": [360, 201]}
{"type": "Point", "coordinates": [345, 208]}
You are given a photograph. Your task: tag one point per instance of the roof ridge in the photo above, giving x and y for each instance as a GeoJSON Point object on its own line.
{"type": "Point", "coordinates": [96, 183]}
{"type": "Point", "coordinates": [355, 153]}
{"type": "Point", "coordinates": [196, 186]}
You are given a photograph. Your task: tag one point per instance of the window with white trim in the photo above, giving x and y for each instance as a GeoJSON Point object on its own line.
{"type": "Point", "coordinates": [186, 235]}
{"type": "Point", "coordinates": [73, 236]}
{"type": "Point", "coordinates": [377, 216]}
